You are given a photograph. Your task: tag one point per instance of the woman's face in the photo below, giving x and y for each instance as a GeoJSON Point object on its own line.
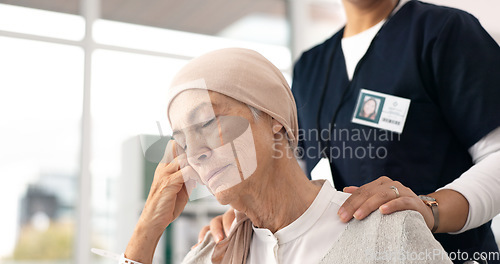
{"type": "Point", "coordinates": [369, 107]}
{"type": "Point", "coordinates": [220, 138]}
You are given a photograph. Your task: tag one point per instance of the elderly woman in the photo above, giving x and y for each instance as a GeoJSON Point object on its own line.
{"type": "Point", "coordinates": [235, 129]}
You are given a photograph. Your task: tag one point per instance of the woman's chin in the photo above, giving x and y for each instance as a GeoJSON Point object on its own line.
{"type": "Point", "coordinates": [228, 195]}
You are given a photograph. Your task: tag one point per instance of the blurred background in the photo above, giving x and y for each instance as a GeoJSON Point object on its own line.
{"type": "Point", "coordinates": [82, 96]}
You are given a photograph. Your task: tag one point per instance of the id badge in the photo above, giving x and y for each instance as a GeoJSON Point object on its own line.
{"type": "Point", "coordinates": [381, 110]}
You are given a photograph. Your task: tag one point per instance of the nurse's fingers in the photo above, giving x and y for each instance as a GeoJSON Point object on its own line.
{"type": "Point", "coordinates": [359, 196]}
{"type": "Point", "coordinates": [381, 196]}
{"type": "Point", "coordinates": [400, 204]}
{"type": "Point", "coordinates": [219, 226]}
{"type": "Point", "coordinates": [350, 189]}
{"type": "Point", "coordinates": [202, 234]}
{"type": "Point", "coordinates": [227, 220]}
{"type": "Point", "coordinates": [409, 203]}
{"type": "Point", "coordinates": [216, 227]}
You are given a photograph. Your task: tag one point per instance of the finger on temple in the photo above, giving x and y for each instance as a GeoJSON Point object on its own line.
{"type": "Point", "coordinates": [182, 160]}
{"type": "Point", "coordinates": [170, 152]}
{"type": "Point", "coordinates": [178, 163]}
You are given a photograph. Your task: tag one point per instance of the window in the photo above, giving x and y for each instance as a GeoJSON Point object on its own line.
{"type": "Point", "coordinates": [48, 65]}
{"type": "Point", "coordinates": [40, 109]}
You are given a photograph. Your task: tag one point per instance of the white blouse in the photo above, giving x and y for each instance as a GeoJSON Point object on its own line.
{"type": "Point", "coordinates": [299, 242]}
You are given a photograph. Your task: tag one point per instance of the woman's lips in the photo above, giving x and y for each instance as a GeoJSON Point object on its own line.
{"type": "Point", "coordinates": [215, 172]}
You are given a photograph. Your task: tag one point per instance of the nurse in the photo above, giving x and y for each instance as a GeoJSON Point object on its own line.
{"type": "Point", "coordinates": [436, 75]}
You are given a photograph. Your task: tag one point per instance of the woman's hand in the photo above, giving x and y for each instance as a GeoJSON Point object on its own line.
{"type": "Point", "coordinates": [379, 195]}
{"type": "Point", "coordinates": [168, 194]}
{"type": "Point", "coordinates": [167, 198]}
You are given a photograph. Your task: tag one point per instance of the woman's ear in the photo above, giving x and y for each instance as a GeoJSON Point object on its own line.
{"type": "Point", "coordinates": [277, 126]}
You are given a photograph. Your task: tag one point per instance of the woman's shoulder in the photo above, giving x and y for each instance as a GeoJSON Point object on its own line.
{"type": "Point", "coordinates": [380, 227]}
{"type": "Point", "coordinates": [397, 228]}
{"type": "Point", "coordinates": [393, 238]}
{"type": "Point", "coordinates": [202, 253]}
{"type": "Point", "coordinates": [407, 219]}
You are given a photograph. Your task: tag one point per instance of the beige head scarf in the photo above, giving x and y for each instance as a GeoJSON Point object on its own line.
{"type": "Point", "coordinates": [246, 76]}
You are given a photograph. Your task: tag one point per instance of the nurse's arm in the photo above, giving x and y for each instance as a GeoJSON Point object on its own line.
{"type": "Point", "coordinates": [480, 185]}
{"type": "Point", "coordinates": [453, 207]}
{"type": "Point", "coordinates": [453, 210]}
{"type": "Point", "coordinates": [468, 202]}
{"type": "Point", "coordinates": [388, 196]}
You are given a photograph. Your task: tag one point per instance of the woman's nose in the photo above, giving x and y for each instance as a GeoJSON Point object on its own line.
{"type": "Point", "coordinates": [197, 148]}
{"type": "Point", "coordinates": [199, 156]}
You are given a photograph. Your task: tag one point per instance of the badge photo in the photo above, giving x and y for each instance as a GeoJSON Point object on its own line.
{"type": "Point", "coordinates": [370, 107]}
{"type": "Point", "coordinates": [379, 110]}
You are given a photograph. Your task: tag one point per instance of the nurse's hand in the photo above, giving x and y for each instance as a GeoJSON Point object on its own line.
{"type": "Point", "coordinates": [167, 198]}
{"type": "Point", "coordinates": [379, 195]}
{"type": "Point", "coordinates": [219, 227]}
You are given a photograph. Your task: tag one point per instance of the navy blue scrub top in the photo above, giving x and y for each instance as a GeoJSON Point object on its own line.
{"type": "Point", "coordinates": [446, 64]}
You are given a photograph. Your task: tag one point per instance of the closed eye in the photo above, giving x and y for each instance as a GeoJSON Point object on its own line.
{"type": "Point", "coordinates": [209, 122]}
